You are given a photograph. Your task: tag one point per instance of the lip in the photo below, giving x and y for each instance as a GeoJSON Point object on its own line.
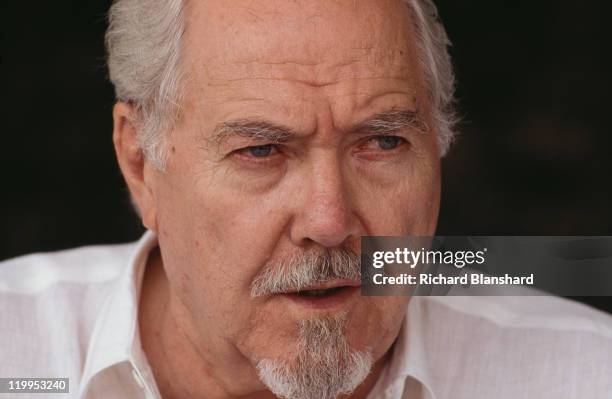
{"type": "Point", "coordinates": [331, 284]}
{"type": "Point", "coordinates": [340, 300]}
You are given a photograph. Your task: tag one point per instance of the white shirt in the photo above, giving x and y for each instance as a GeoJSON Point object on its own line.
{"type": "Point", "coordinates": [74, 314]}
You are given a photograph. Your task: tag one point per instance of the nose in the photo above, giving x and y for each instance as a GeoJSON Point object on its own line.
{"type": "Point", "coordinates": [325, 215]}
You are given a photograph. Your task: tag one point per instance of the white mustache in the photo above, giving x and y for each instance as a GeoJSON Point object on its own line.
{"type": "Point", "coordinates": [306, 269]}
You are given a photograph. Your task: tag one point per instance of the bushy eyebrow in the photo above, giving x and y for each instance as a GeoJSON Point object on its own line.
{"type": "Point", "coordinates": [386, 122]}
{"type": "Point", "coordinates": [253, 129]}
{"type": "Point", "coordinates": [391, 121]}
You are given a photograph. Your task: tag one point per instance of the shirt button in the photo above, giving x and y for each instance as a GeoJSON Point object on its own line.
{"type": "Point", "coordinates": [137, 378]}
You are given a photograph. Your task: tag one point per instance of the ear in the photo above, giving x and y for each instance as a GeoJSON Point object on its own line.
{"type": "Point", "coordinates": [132, 162]}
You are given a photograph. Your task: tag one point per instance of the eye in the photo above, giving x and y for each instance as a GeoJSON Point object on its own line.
{"type": "Point", "coordinates": [259, 155]}
{"type": "Point", "coordinates": [388, 142]}
{"type": "Point", "coordinates": [384, 143]}
{"type": "Point", "coordinates": [260, 151]}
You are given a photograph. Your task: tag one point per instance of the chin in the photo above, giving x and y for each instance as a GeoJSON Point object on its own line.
{"type": "Point", "coordinates": [324, 365]}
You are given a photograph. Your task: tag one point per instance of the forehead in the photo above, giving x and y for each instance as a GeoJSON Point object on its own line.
{"type": "Point", "coordinates": [348, 48]}
{"type": "Point", "coordinates": [309, 33]}
{"type": "Point", "coordinates": [308, 30]}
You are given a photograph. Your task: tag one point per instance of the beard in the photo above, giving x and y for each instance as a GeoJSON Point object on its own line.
{"type": "Point", "coordinates": [325, 366]}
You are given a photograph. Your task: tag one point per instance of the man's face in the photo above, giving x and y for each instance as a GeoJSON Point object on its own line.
{"type": "Point", "coordinates": [304, 125]}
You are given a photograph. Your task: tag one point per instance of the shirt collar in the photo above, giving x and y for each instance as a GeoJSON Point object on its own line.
{"type": "Point", "coordinates": [409, 369]}
{"type": "Point", "coordinates": [115, 337]}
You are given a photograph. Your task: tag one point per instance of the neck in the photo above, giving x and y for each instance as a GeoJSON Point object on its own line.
{"type": "Point", "coordinates": [213, 371]}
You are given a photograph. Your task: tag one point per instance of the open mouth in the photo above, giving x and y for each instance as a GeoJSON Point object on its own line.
{"type": "Point", "coordinates": [325, 293]}
{"type": "Point", "coordinates": [327, 296]}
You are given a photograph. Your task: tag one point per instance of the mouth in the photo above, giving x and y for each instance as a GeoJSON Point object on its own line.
{"type": "Point", "coordinates": [319, 293]}
{"type": "Point", "coordinates": [326, 295]}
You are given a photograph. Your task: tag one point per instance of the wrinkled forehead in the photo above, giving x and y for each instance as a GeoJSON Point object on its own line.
{"type": "Point", "coordinates": [314, 40]}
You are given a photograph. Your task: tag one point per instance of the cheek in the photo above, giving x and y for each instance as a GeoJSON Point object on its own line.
{"type": "Point", "coordinates": [206, 223]}
{"type": "Point", "coordinates": [214, 240]}
{"type": "Point", "coordinates": [410, 206]}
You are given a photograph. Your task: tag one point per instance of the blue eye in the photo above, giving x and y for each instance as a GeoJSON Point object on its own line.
{"type": "Point", "coordinates": [388, 142]}
{"type": "Point", "coordinates": [260, 151]}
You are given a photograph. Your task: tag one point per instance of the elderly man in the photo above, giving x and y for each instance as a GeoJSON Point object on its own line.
{"type": "Point", "coordinates": [259, 141]}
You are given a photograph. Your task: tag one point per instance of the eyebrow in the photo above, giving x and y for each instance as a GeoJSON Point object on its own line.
{"type": "Point", "coordinates": [253, 129]}
{"type": "Point", "coordinates": [391, 121]}
{"type": "Point", "coordinates": [383, 123]}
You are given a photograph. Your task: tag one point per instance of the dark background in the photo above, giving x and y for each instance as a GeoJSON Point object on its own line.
{"type": "Point", "coordinates": [532, 158]}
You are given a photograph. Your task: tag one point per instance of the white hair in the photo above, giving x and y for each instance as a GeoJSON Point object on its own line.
{"type": "Point", "coordinates": [306, 269]}
{"type": "Point", "coordinates": [143, 43]}
{"type": "Point", "coordinates": [325, 366]}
